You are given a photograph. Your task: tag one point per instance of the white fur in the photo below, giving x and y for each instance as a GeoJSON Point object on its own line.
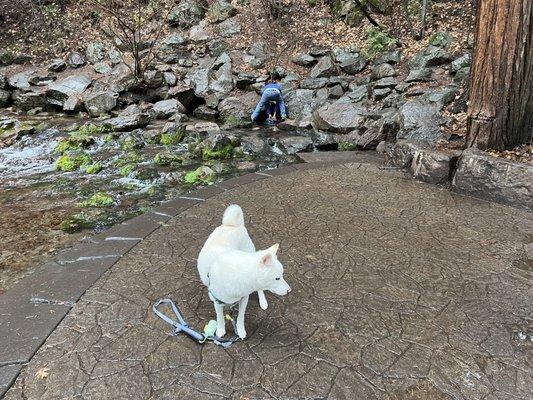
{"type": "Point", "coordinates": [232, 269]}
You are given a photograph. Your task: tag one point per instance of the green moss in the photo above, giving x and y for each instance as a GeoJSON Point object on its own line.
{"type": "Point", "coordinates": [347, 146]}
{"type": "Point", "coordinates": [71, 162]}
{"type": "Point", "coordinates": [91, 130]}
{"type": "Point", "coordinates": [231, 121]}
{"type": "Point", "coordinates": [75, 222]}
{"type": "Point", "coordinates": [94, 168]}
{"type": "Point", "coordinates": [127, 169]}
{"type": "Point", "coordinates": [238, 152]}
{"type": "Point", "coordinates": [163, 159]}
{"type": "Point", "coordinates": [377, 41]}
{"type": "Point", "coordinates": [173, 138]}
{"type": "Point", "coordinates": [223, 153]}
{"type": "Point", "coordinates": [99, 199]}
{"type": "Point", "coordinates": [200, 175]}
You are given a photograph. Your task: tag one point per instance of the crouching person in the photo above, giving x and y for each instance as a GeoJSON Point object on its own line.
{"type": "Point", "coordinates": [271, 104]}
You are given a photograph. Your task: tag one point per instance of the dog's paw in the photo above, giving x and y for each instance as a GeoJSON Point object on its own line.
{"type": "Point", "coordinates": [241, 332]}
{"type": "Point", "coordinates": [263, 303]}
{"type": "Point", "coordinates": [221, 332]}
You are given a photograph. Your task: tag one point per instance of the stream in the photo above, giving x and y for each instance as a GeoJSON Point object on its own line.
{"type": "Point", "coordinates": [37, 201]}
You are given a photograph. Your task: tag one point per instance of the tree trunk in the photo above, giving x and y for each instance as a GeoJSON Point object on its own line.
{"type": "Point", "coordinates": [500, 113]}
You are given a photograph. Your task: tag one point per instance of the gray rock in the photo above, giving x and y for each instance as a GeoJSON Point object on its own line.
{"type": "Point", "coordinates": [341, 117]}
{"type": "Point", "coordinates": [5, 98]}
{"type": "Point", "coordinates": [431, 56]}
{"type": "Point", "coordinates": [419, 75]}
{"type": "Point", "coordinates": [383, 129]}
{"type": "Point", "coordinates": [114, 56]}
{"type": "Point", "coordinates": [335, 92]}
{"type": "Point", "coordinates": [3, 81]}
{"type": "Point", "coordinates": [221, 10]}
{"type": "Point", "coordinates": [461, 75]}
{"type": "Point", "coordinates": [357, 93]}
{"type": "Point", "coordinates": [304, 60]}
{"type": "Point", "coordinates": [95, 52]}
{"type": "Point", "coordinates": [229, 28]}
{"type": "Point", "coordinates": [166, 108]}
{"type": "Point", "coordinates": [296, 144]}
{"type": "Point", "coordinates": [324, 69]}
{"type": "Point", "coordinates": [482, 175]}
{"type": "Point", "coordinates": [41, 79]}
{"type": "Point", "coordinates": [74, 103]}
{"type": "Point", "coordinates": [256, 56]}
{"type": "Point", "coordinates": [174, 41]}
{"type": "Point", "coordinates": [200, 33]}
{"type": "Point", "coordinates": [103, 67]}
{"type": "Point", "coordinates": [236, 111]}
{"type": "Point", "coordinates": [318, 51]}
{"type": "Point", "coordinates": [388, 82]}
{"type": "Point", "coordinates": [28, 100]}
{"type": "Point", "coordinates": [302, 102]}
{"type": "Point", "coordinates": [153, 78]}
{"type": "Point", "coordinates": [98, 103]}
{"type": "Point", "coordinates": [127, 122]}
{"type": "Point", "coordinates": [169, 78]}
{"type": "Point", "coordinates": [206, 113]}
{"type": "Point", "coordinates": [390, 57]}
{"type": "Point", "coordinates": [442, 96]}
{"type": "Point", "coordinates": [6, 57]}
{"type": "Point", "coordinates": [20, 80]}
{"type": "Point", "coordinates": [22, 59]}
{"type": "Point", "coordinates": [432, 166]}
{"type": "Point", "coordinates": [76, 60]}
{"type": "Point", "coordinates": [313, 83]}
{"type": "Point", "coordinates": [244, 80]}
{"type": "Point", "coordinates": [381, 93]}
{"type": "Point", "coordinates": [59, 91]}
{"type": "Point", "coordinates": [382, 71]}
{"type": "Point", "coordinates": [441, 39]}
{"type": "Point", "coordinates": [186, 14]}
{"type": "Point", "coordinates": [461, 62]}
{"type": "Point", "coordinates": [420, 120]}
{"type": "Point", "coordinates": [350, 62]}
{"type": "Point", "coordinates": [185, 94]}
{"type": "Point", "coordinates": [57, 65]}
{"type": "Point", "coordinates": [221, 79]}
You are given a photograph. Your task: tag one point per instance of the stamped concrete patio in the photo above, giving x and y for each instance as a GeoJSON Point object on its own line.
{"type": "Point", "coordinates": [401, 290]}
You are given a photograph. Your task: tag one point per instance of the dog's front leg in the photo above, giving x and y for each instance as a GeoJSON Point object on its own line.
{"type": "Point", "coordinates": [240, 318]}
{"type": "Point", "coordinates": [221, 323]}
{"type": "Point", "coordinates": [262, 300]}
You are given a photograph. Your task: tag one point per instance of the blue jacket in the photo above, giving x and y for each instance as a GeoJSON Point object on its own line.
{"type": "Point", "coordinates": [271, 86]}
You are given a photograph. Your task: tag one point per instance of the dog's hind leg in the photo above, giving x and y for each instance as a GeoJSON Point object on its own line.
{"type": "Point", "coordinates": [262, 300]}
{"type": "Point", "coordinates": [240, 318]}
{"type": "Point", "coordinates": [221, 322]}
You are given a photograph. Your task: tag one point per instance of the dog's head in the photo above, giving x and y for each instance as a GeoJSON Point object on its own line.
{"type": "Point", "coordinates": [271, 272]}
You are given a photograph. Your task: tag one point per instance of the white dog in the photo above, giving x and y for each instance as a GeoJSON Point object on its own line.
{"type": "Point", "coordinates": [231, 269]}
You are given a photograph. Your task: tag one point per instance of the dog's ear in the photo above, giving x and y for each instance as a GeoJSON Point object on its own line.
{"type": "Point", "coordinates": [266, 259]}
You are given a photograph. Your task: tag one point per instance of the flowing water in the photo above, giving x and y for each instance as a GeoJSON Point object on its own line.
{"type": "Point", "coordinates": [35, 198]}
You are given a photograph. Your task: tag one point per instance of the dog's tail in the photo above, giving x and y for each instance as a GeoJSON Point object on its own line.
{"type": "Point", "coordinates": [233, 216]}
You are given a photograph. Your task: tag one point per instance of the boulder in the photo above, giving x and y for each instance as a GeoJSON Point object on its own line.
{"type": "Point", "coordinates": [483, 175]}
{"type": "Point", "coordinates": [420, 120]}
{"type": "Point", "coordinates": [236, 111]}
{"type": "Point", "coordinates": [127, 122]}
{"type": "Point", "coordinates": [6, 57]}
{"type": "Point", "coordinates": [324, 69]}
{"type": "Point", "coordinates": [381, 93]}
{"type": "Point", "coordinates": [302, 102]}
{"type": "Point", "coordinates": [103, 67]}
{"type": "Point", "coordinates": [186, 14]}
{"type": "Point", "coordinates": [76, 60]}
{"type": "Point", "coordinates": [220, 76]}
{"type": "Point", "coordinates": [461, 62]}
{"type": "Point", "coordinates": [256, 56]}
{"type": "Point", "coordinates": [20, 80]}
{"type": "Point", "coordinates": [205, 113]}
{"type": "Point", "coordinates": [185, 94]}
{"type": "Point", "coordinates": [441, 39]}
{"type": "Point", "coordinates": [98, 103]}
{"type": "Point", "coordinates": [95, 52]}
{"type": "Point", "coordinates": [5, 98]}
{"type": "Point", "coordinates": [28, 100]}
{"type": "Point", "coordinates": [340, 117]}
{"type": "Point", "coordinates": [304, 60]}
{"type": "Point", "coordinates": [357, 93]}
{"type": "Point", "coordinates": [390, 57]}
{"type": "Point", "coordinates": [431, 165]}
{"type": "Point", "coordinates": [388, 82]}
{"type": "Point", "coordinates": [335, 92]}
{"type": "Point", "coordinates": [165, 108]}
{"type": "Point", "coordinates": [442, 96]}
{"type": "Point", "coordinates": [74, 85]}
{"type": "Point", "coordinates": [382, 71]}
{"type": "Point", "coordinates": [229, 28]}
{"type": "Point", "coordinates": [244, 80]}
{"type": "Point", "coordinates": [57, 65]}
{"type": "Point", "coordinates": [41, 79]}
{"type": "Point", "coordinates": [296, 144]}
{"type": "Point", "coordinates": [200, 33]}
{"type": "Point", "coordinates": [221, 10]}
{"type": "Point", "coordinates": [383, 129]}
{"type": "Point", "coordinates": [169, 78]}
{"type": "Point", "coordinates": [313, 83]}
{"type": "Point", "coordinates": [419, 75]}
{"type": "Point", "coordinates": [431, 56]}
{"type": "Point", "coordinates": [350, 61]}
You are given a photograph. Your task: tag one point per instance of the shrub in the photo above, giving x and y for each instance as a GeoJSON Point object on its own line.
{"type": "Point", "coordinates": [377, 41]}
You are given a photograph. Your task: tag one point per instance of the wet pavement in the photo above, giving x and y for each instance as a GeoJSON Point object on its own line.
{"type": "Point", "coordinates": [400, 290]}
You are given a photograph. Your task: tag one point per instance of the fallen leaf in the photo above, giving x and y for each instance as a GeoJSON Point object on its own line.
{"type": "Point", "coordinates": [42, 373]}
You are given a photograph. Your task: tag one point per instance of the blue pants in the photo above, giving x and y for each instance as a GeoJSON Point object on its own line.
{"type": "Point", "coordinates": [264, 104]}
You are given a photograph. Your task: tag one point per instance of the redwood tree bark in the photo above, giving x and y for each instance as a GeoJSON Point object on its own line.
{"type": "Point", "coordinates": [500, 113]}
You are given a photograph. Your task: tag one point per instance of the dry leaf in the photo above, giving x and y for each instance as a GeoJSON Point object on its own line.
{"type": "Point", "coordinates": [42, 373]}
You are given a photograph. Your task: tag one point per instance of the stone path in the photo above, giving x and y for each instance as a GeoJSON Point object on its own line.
{"type": "Point", "coordinates": [400, 290]}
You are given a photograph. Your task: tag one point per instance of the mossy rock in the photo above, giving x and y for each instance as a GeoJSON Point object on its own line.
{"type": "Point", "coordinates": [347, 146]}
{"type": "Point", "coordinates": [166, 158]}
{"type": "Point", "coordinates": [71, 162]}
{"type": "Point", "coordinates": [201, 175]}
{"type": "Point", "coordinates": [94, 168]}
{"type": "Point", "coordinates": [99, 199]}
{"type": "Point", "coordinates": [172, 138]}
{"type": "Point", "coordinates": [127, 169]}
{"type": "Point", "coordinates": [75, 223]}
{"type": "Point", "coordinates": [224, 153]}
